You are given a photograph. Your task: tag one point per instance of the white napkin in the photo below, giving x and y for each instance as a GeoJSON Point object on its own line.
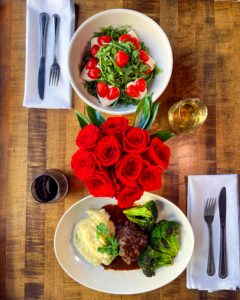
{"type": "Point", "coordinates": [54, 97]}
{"type": "Point", "coordinates": [199, 189]}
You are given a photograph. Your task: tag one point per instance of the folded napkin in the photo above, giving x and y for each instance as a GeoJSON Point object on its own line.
{"type": "Point", "coordinates": [54, 97]}
{"type": "Point", "coordinates": [199, 189]}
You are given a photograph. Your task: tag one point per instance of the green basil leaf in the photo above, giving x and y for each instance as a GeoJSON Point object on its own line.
{"type": "Point", "coordinates": [96, 118]}
{"type": "Point", "coordinates": [82, 120]}
{"type": "Point", "coordinates": [153, 115]}
{"type": "Point", "coordinates": [163, 135]}
{"type": "Point", "coordinates": [142, 114]}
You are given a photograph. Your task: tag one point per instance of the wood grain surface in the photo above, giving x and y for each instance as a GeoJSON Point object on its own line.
{"type": "Point", "coordinates": [205, 39]}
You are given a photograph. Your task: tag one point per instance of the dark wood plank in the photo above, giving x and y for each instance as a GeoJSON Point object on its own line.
{"type": "Point", "coordinates": [17, 155]}
{"type": "Point", "coordinates": [169, 23]}
{"type": "Point", "coordinates": [5, 10]}
{"type": "Point", "coordinates": [35, 212]}
{"type": "Point", "coordinates": [56, 152]}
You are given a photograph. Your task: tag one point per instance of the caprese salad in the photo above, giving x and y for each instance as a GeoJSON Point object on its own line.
{"type": "Point", "coordinates": [118, 69]}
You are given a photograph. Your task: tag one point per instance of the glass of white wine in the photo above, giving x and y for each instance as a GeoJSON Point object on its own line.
{"type": "Point", "coordinates": [186, 116]}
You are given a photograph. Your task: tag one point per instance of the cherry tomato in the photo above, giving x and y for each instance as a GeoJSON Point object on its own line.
{"type": "Point", "coordinates": [143, 56]}
{"type": "Point", "coordinates": [122, 58]}
{"type": "Point", "coordinates": [113, 93]}
{"type": "Point", "coordinates": [91, 63]}
{"type": "Point", "coordinates": [132, 91]}
{"type": "Point", "coordinates": [104, 39]}
{"type": "Point", "coordinates": [94, 50]}
{"type": "Point", "coordinates": [102, 89]}
{"type": "Point", "coordinates": [148, 70]}
{"type": "Point", "coordinates": [141, 84]}
{"type": "Point", "coordinates": [125, 37]}
{"type": "Point", "coordinates": [94, 73]}
{"type": "Point", "coordinates": [136, 43]}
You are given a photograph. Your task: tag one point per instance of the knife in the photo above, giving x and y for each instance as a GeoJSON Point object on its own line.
{"type": "Point", "coordinates": [43, 23]}
{"type": "Point", "coordinates": [222, 272]}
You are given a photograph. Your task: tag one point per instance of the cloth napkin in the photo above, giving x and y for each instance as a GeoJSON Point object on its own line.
{"type": "Point", "coordinates": [199, 189]}
{"type": "Point", "coordinates": [54, 97]}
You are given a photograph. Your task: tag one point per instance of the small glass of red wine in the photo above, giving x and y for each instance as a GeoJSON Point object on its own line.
{"type": "Point", "coordinates": [51, 186]}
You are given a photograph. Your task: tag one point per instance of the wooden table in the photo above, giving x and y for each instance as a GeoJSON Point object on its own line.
{"type": "Point", "coordinates": [205, 38]}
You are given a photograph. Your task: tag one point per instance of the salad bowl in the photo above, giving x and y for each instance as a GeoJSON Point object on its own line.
{"type": "Point", "coordinates": [120, 282]}
{"type": "Point", "coordinates": [147, 30]}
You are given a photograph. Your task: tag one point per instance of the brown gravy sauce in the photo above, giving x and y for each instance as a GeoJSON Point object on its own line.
{"type": "Point", "coordinates": [118, 218]}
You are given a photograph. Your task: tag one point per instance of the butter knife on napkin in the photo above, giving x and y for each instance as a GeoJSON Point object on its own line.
{"type": "Point", "coordinates": [43, 24]}
{"type": "Point", "coordinates": [200, 187]}
{"type": "Point", "coordinates": [222, 273]}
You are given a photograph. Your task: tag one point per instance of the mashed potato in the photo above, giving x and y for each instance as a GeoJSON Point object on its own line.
{"type": "Point", "coordinates": [85, 239]}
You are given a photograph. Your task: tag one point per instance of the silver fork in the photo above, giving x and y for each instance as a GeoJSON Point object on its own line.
{"type": "Point", "coordinates": [208, 217]}
{"type": "Point", "coordinates": [55, 69]}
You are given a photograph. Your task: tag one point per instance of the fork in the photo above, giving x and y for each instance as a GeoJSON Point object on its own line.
{"type": "Point", "coordinates": [208, 217]}
{"type": "Point", "coordinates": [55, 69]}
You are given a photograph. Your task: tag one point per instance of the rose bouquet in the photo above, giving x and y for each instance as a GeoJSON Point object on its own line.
{"type": "Point", "coordinates": [118, 160]}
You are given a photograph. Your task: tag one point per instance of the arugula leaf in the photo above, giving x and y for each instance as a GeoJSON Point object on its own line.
{"type": "Point", "coordinates": [144, 47]}
{"type": "Point", "coordinates": [114, 33]}
{"type": "Point", "coordinates": [82, 120]}
{"type": "Point", "coordinates": [112, 244]}
{"type": "Point", "coordinates": [91, 87]}
{"type": "Point", "coordinates": [163, 135]}
{"type": "Point", "coordinates": [95, 116]}
{"type": "Point", "coordinates": [156, 70]}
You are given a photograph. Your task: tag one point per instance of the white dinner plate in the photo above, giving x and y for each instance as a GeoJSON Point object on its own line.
{"type": "Point", "coordinates": [120, 282]}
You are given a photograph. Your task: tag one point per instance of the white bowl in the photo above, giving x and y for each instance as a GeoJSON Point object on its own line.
{"type": "Point", "coordinates": [119, 282]}
{"type": "Point", "coordinates": [148, 32]}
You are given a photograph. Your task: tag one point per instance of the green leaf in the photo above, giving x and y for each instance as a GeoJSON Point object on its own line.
{"type": "Point", "coordinates": [163, 135]}
{"type": "Point", "coordinates": [150, 99]}
{"type": "Point", "coordinates": [101, 229]}
{"type": "Point", "coordinates": [153, 115]}
{"type": "Point", "coordinates": [82, 120]}
{"type": "Point", "coordinates": [142, 114]}
{"type": "Point", "coordinates": [102, 249]}
{"type": "Point", "coordinates": [108, 239]}
{"type": "Point", "coordinates": [95, 116]}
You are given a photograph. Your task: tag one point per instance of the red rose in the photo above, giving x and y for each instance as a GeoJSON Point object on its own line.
{"type": "Point", "coordinates": [126, 195]}
{"type": "Point", "coordinates": [135, 140]}
{"type": "Point", "coordinates": [150, 178]}
{"type": "Point", "coordinates": [158, 154]}
{"type": "Point", "coordinates": [88, 137]}
{"type": "Point", "coordinates": [114, 126]}
{"type": "Point", "coordinates": [84, 164]}
{"type": "Point", "coordinates": [100, 184]}
{"type": "Point", "coordinates": [129, 168]}
{"type": "Point", "coordinates": [108, 151]}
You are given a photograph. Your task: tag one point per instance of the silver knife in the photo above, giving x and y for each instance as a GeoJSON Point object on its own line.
{"type": "Point", "coordinates": [222, 272]}
{"type": "Point", "coordinates": [43, 23]}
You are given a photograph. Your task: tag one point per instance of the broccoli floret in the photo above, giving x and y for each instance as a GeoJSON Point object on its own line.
{"type": "Point", "coordinates": [161, 260]}
{"type": "Point", "coordinates": [150, 260]}
{"type": "Point", "coordinates": [165, 233]}
{"type": "Point", "coordinates": [144, 216]}
{"type": "Point", "coordinates": [145, 258]}
{"type": "Point", "coordinates": [169, 232]}
{"type": "Point", "coordinates": [148, 271]}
